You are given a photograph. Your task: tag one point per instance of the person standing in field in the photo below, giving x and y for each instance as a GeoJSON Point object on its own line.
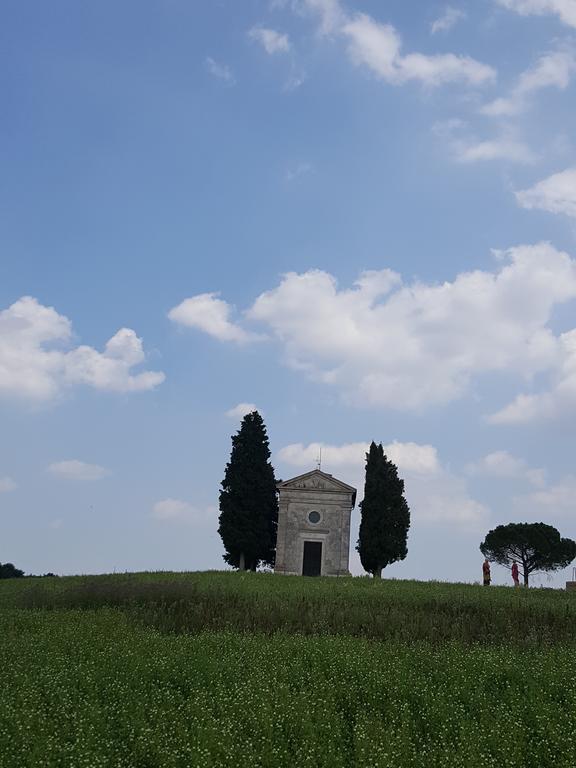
{"type": "Point", "coordinates": [515, 574]}
{"type": "Point", "coordinates": [486, 572]}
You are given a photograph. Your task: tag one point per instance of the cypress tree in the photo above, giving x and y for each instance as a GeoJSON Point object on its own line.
{"type": "Point", "coordinates": [385, 514]}
{"type": "Point", "coordinates": [248, 499]}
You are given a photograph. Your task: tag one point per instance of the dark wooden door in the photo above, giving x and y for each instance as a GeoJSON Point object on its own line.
{"type": "Point", "coordinates": [312, 561]}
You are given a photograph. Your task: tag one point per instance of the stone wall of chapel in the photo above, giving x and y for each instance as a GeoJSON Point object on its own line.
{"type": "Point", "coordinates": [294, 528]}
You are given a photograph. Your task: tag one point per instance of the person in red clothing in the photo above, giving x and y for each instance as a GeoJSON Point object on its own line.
{"type": "Point", "coordinates": [515, 574]}
{"type": "Point", "coordinates": [486, 572]}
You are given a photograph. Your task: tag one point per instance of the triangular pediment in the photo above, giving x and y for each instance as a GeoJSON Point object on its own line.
{"type": "Point", "coordinates": [316, 480]}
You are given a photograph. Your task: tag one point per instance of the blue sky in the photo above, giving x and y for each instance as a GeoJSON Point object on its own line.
{"type": "Point", "coordinates": [358, 217]}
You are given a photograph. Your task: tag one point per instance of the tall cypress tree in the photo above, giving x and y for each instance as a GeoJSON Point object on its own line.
{"type": "Point", "coordinates": [385, 514]}
{"type": "Point", "coordinates": [248, 499]}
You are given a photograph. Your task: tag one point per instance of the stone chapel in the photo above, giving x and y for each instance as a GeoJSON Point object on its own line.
{"type": "Point", "coordinates": [314, 525]}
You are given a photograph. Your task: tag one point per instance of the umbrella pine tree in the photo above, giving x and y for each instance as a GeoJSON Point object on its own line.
{"type": "Point", "coordinates": [534, 546]}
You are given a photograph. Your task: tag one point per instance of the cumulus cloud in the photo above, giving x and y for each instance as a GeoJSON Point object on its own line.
{"type": "Point", "coordinates": [493, 149]}
{"type": "Point", "coordinates": [564, 9]}
{"type": "Point", "coordinates": [330, 13]}
{"type": "Point", "coordinates": [445, 499]}
{"type": "Point", "coordinates": [7, 484]}
{"type": "Point", "coordinates": [552, 403]}
{"type": "Point", "coordinates": [386, 344]}
{"type": "Point", "coordinates": [435, 495]}
{"type": "Point", "coordinates": [241, 410]}
{"type": "Point", "coordinates": [378, 47]}
{"type": "Point", "coordinates": [297, 171]}
{"type": "Point", "coordinates": [208, 313]}
{"type": "Point", "coordinates": [560, 497]}
{"type": "Point", "coordinates": [409, 457]}
{"type": "Point", "coordinates": [296, 79]}
{"type": "Point", "coordinates": [553, 70]}
{"type": "Point", "coordinates": [272, 41]}
{"type": "Point", "coordinates": [78, 470]}
{"type": "Point", "coordinates": [468, 148]}
{"type": "Point", "coordinates": [178, 511]}
{"type": "Point", "coordinates": [447, 20]}
{"type": "Point", "coordinates": [219, 71]}
{"type": "Point", "coordinates": [37, 363]}
{"type": "Point", "coordinates": [504, 464]}
{"type": "Point", "coordinates": [556, 194]}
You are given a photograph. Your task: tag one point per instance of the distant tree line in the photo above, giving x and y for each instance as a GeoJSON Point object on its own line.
{"type": "Point", "coordinates": [9, 571]}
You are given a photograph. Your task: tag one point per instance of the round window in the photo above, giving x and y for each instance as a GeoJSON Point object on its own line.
{"type": "Point", "coordinates": [314, 516]}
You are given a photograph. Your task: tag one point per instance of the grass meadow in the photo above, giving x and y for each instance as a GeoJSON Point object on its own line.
{"type": "Point", "coordinates": [225, 669]}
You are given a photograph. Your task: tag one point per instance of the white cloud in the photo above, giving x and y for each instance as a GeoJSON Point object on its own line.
{"type": "Point", "coordinates": [504, 464]}
{"type": "Point", "coordinates": [384, 344]}
{"type": "Point", "coordinates": [35, 365]}
{"type": "Point", "coordinates": [564, 9]}
{"type": "Point", "coordinates": [7, 484]}
{"type": "Point", "coordinates": [272, 41]}
{"type": "Point", "coordinates": [468, 148]}
{"type": "Point", "coordinates": [210, 314]}
{"type": "Point", "coordinates": [295, 80]}
{"type": "Point", "coordinates": [525, 408]}
{"type": "Point", "coordinates": [241, 410]}
{"type": "Point", "coordinates": [78, 470]}
{"type": "Point", "coordinates": [559, 399]}
{"type": "Point", "coordinates": [560, 498]}
{"type": "Point", "coordinates": [409, 457]}
{"type": "Point", "coordinates": [556, 194]}
{"type": "Point", "coordinates": [178, 511]}
{"type": "Point", "coordinates": [219, 71]}
{"type": "Point", "coordinates": [331, 14]}
{"type": "Point", "coordinates": [553, 70]}
{"type": "Point", "coordinates": [444, 499]}
{"type": "Point", "coordinates": [378, 46]}
{"type": "Point", "coordinates": [434, 494]}
{"type": "Point", "coordinates": [298, 170]}
{"type": "Point", "coordinates": [110, 370]}
{"type": "Point", "coordinates": [493, 149]}
{"type": "Point", "coordinates": [447, 20]}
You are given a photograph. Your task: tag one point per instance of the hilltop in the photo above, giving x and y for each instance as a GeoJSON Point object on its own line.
{"type": "Point", "coordinates": [389, 609]}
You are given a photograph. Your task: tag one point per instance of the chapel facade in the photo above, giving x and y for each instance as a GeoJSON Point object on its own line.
{"type": "Point", "coordinates": [314, 525]}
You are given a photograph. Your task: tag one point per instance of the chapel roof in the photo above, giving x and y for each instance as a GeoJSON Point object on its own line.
{"type": "Point", "coordinates": [317, 474]}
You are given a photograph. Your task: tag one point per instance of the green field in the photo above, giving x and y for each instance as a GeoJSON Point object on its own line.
{"type": "Point", "coordinates": [241, 669]}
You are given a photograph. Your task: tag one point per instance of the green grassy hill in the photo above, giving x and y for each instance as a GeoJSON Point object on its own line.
{"type": "Point", "coordinates": [224, 669]}
{"type": "Point", "coordinates": [390, 609]}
